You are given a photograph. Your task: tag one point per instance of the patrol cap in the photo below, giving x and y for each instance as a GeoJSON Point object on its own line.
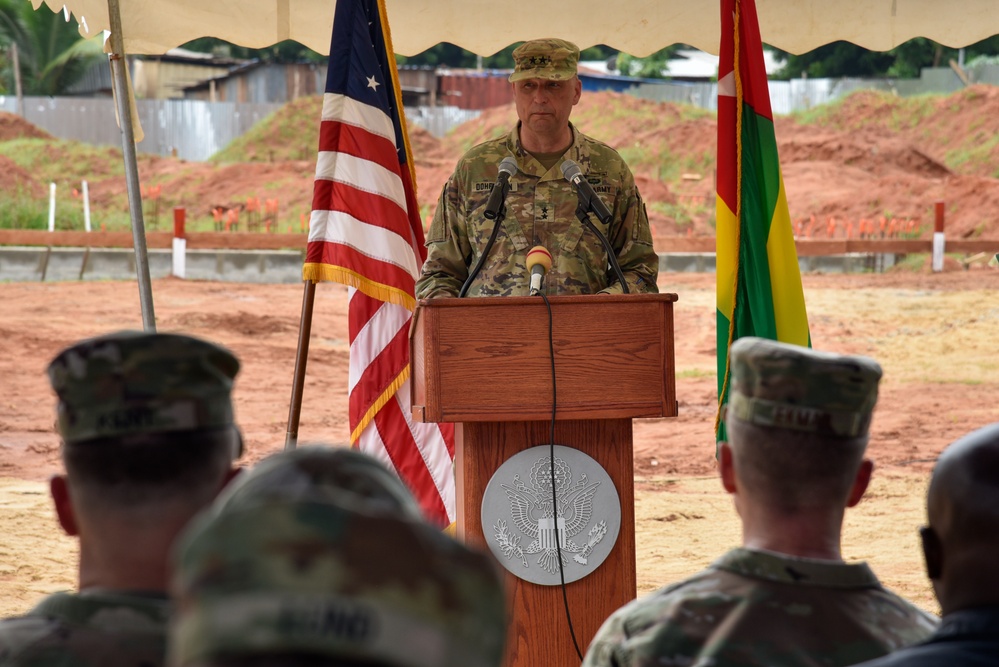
{"type": "Point", "coordinates": [326, 578]}
{"type": "Point", "coordinates": [548, 58]}
{"type": "Point", "coordinates": [133, 382]}
{"type": "Point", "coordinates": [786, 386]}
{"type": "Point", "coordinates": [322, 473]}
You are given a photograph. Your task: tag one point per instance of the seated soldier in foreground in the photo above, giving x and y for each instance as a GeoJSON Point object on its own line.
{"type": "Point", "coordinates": [146, 422]}
{"type": "Point", "coordinates": [319, 556]}
{"type": "Point", "coordinates": [961, 546]}
{"type": "Point", "coordinates": [797, 423]}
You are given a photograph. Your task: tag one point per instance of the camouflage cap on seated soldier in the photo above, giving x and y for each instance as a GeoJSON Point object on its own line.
{"type": "Point", "coordinates": [554, 59]}
{"type": "Point", "coordinates": [132, 382]}
{"type": "Point", "coordinates": [786, 386]}
{"type": "Point", "coordinates": [321, 473]}
{"type": "Point", "coordinates": [335, 573]}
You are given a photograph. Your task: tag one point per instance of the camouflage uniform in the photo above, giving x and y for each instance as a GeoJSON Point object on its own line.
{"type": "Point", "coordinates": [761, 608]}
{"type": "Point", "coordinates": [321, 552]}
{"type": "Point", "coordinates": [132, 382]}
{"type": "Point", "coordinates": [114, 386]}
{"type": "Point", "coordinates": [540, 210]}
{"type": "Point", "coordinates": [88, 629]}
{"type": "Point", "coordinates": [754, 607]}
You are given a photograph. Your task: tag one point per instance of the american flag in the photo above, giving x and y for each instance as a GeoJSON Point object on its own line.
{"type": "Point", "coordinates": [365, 232]}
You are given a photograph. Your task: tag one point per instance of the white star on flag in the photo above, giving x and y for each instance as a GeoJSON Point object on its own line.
{"type": "Point", "coordinates": [372, 84]}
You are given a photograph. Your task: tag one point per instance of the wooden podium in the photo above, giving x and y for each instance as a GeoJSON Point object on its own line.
{"type": "Point", "coordinates": [484, 363]}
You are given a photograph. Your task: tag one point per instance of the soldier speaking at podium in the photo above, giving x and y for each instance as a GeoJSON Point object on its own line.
{"type": "Point", "coordinates": [509, 195]}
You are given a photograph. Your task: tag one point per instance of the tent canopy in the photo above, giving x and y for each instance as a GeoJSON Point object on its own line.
{"type": "Point", "coordinates": [637, 27]}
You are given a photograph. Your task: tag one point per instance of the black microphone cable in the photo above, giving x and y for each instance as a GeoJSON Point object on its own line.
{"type": "Point", "coordinates": [551, 451]}
{"type": "Point", "coordinates": [485, 253]}
{"type": "Point", "coordinates": [584, 217]}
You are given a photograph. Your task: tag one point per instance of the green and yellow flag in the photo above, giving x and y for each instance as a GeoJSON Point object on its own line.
{"type": "Point", "coordinates": [759, 284]}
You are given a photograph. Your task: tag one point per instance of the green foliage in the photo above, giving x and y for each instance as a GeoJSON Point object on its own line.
{"type": "Point", "coordinates": [677, 212]}
{"type": "Point", "coordinates": [288, 51]}
{"type": "Point", "coordinates": [651, 67]}
{"type": "Point", "coordinates": [843, 59]}
{"type": "Point", "coordinates": [47, 160]}
{"type": "Point", "coordinates": [449, 55]}
{"type": "Point", "coordinates": [290, 133]}
{"type": "Point", "coordinates": [913, 263]}
{"type": "Point", "coordinates": [22, 212]}
{"type": "Point", "coordinates": [898, 113]}
{"type": "Point", "coordinates": [978, 153]}
{"type": "Point", "coordinates": [52, 54]}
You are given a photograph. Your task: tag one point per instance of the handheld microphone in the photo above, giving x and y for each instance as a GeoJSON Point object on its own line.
{"type": "Point", "coordinates": [574, 175]}
{"type": "Point", "coordinates": [539, 262]}
{"type": "Point", "coordinates": [507, 168]}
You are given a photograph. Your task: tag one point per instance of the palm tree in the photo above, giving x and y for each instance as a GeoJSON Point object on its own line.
{"type": "Point", "coordinates": [53, 56]}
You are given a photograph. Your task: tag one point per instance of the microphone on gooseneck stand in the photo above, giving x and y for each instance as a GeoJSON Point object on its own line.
{"type": "Point", "coordinates": [495, 211]}
{"type": "Point", "coordinates": [507, 168]}
{"type": "Point", "coordinates": [574, 175]}
{"type": "Point", "coordinates": [590, 202]}
{"type": "Point", "coordinates": [539, 262]}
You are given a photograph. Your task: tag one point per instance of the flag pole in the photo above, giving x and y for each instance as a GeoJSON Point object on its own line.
{"type": "Point", "coordinates": [302, 356]}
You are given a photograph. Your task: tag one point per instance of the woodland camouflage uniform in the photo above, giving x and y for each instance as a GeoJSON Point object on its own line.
{"type": "Point", "coordinates": [755, 607]}
{"type": "Point", "coordinates": [540, 210]}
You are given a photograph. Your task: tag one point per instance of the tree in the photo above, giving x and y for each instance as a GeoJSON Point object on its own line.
{"type": "Point", "coordinates": [288, 51]}
{"type": "Point", "coordinates": [52, 54]}
{"type": "Point", "coordinates": [843, 59]}
{"type": "Point", "coordinates": [449, 55]}
{"type": "Point", "coordinates": [650, 67]}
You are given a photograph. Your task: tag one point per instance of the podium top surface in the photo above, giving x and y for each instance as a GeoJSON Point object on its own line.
{"type": "Point", "coordinates": [571, 299]}
{"type": "Point", "coordinates": [489, 358]}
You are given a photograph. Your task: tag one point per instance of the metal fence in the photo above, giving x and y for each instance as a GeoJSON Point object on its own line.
{"type": "Point", "coordinates": [802, 94]}
{"type": "Point", "coordinates": [196, 129]}
{"type": "Point", "coordinates": [438, 121]}
{"type": "Point", "coordinates": [189, 129]}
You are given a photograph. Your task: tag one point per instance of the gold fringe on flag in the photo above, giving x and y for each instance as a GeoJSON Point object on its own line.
{"type": "Point", "coordinates": [397, 89]}
{"type": "Point", "coordinates": [318, 273]}
{"type": "Point", "coordinates": [378, 404]}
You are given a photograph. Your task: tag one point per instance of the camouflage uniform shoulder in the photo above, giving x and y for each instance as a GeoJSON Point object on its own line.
{"type": "Point", "coordinates": [597, 156]}
{"type": "Point", "coordinates": [629, 631]}
{"type": "Point", "coordinates": [491, 152]}
{"type": "Point", "coordinates": [115, 630]}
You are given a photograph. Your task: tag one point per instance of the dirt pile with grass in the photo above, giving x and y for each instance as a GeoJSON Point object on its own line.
{"type": "Point", "coordinates": [866, 157]}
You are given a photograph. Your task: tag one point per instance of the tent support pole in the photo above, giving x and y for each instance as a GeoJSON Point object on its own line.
{"type": "Point", "coordinates": [118, 65]}
{"type": "Point", "coordinates": [301, 358]}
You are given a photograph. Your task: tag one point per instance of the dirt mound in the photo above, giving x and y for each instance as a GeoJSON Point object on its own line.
{"type": "Point", "coordinates": [961, 129]}
{"type": "Point", "coordinates": [290, 133]}
{"type": "Point", "coordinates": [17, 181]}
{"type": "Point", "coordinates": [13, 126]}
{"type": "Point", "coordinates": [868, 156]}
{"type": "Point", "coordinates": [866, 148]}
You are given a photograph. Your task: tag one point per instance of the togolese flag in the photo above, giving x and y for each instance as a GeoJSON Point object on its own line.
{"type": "Point", "coordinates": [759, 283]}
{"type": "Point", "coordinates": [365, 231]}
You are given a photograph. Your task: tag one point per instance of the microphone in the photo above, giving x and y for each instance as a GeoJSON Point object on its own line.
{"type": "Point", "coordinates": [574, 175]}
{"type": "Point", "coordinates": [539, 262]}
{"type": "Point", "coordinates": [507, 168]}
